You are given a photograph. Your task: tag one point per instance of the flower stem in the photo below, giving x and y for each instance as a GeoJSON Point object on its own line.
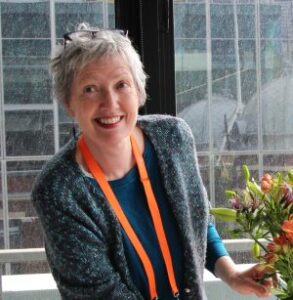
{"type": "Point", "coordinates": [260, 244]}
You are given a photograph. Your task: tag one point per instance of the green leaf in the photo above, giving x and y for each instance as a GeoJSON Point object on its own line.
{"type": "Point", "coordinates": [255, 189]}
{"type": "Point", "coordinates": [290, 175]}
{"type": "Point", "coordinates": [246, 173]}
{"type": "Point", "coordinates": [224, 214]}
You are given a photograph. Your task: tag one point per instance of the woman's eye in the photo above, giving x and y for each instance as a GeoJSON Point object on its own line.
{"type": "Point", "coordinates": [122, 85]}
{"type": "Point", "coordinates": [89, 89]}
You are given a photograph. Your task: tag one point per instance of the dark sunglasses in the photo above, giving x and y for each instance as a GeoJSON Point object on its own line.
{"type": "Point", "coordinates": [87, 35]}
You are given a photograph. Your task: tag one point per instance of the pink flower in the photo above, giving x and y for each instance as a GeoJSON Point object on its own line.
{"type": "Point", "coordinates": [288, 194]}
{"type": "Point", "coordinates": [236, 203]}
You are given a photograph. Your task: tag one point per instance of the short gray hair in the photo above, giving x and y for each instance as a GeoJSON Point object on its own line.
{"type": "Point", "coordinates": [80, 51]}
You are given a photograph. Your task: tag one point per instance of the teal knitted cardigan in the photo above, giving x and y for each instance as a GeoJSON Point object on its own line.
{"type": "Point", "coordinates": [82, 235]}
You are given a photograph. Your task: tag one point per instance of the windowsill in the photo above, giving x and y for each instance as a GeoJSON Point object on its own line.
{"type": "Point", "coordinates": [43, 286]}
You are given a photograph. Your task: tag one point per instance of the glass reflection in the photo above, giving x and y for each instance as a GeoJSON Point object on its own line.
{"type": "Point", "coordinates": [29, 133]}
{"type": "Point", "coordinates": [189, 20]}
{"type": "Point", "coordinates": [247, 104]}
{"type": "Point", "coordinates": [222, 21]}
{"type": "Point", "coordinates": [25, 71]}
{"type": "Point", "coordinates": [66, 125]}
{"type": "Point", "coordinates": [24, 227]}
{"type": "Point", "coordinates": [69, 15]}
{"type": "Point", "coordinates": [25, 20]}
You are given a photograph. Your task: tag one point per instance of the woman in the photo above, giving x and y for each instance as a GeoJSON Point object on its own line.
{"type": "Point", "coordinates": [123, 207]}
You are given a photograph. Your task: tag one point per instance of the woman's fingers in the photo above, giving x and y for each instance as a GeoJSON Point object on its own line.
{"type": "Point", "coordinates": [261, 290]}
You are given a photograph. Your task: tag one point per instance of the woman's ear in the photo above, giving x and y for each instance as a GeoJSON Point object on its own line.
{"type": "Point", "coordinates": [70, 110]}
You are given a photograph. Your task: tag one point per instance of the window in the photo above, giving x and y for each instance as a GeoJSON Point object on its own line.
{"type": "Point", "coordinates": [233, 64]}
{"type": "Point", "coordinates": [233, 68]}
{"type": "Point", "coordinates": [32, 126]}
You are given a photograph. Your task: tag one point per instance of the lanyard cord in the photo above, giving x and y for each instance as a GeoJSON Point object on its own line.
{"type": "Point", "coordinates": [100, 177]}
{"type": "Point", "coordinates": [156, 216]}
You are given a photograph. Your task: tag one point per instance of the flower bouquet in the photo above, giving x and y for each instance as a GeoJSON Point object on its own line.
{"type": "Point", "coordinates": [264, 212]}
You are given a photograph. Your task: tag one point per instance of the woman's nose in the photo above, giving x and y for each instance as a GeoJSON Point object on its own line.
{"type": "Point", "coordinates": [109, 98]}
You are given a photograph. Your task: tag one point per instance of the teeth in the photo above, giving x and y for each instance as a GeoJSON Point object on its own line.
{"type": "Point", "coordinates": [108, 121]}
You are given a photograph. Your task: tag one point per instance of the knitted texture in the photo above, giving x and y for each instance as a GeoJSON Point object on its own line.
{"type": "Point", "coordinates": [83, 236]}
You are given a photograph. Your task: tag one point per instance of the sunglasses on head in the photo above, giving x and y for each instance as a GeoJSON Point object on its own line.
{"type": "Point", "coordinates": [86, 35]}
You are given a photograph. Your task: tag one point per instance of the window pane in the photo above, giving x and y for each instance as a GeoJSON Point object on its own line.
{"type": "Point", "coordinates": [25, 71]}
{"type": "Point", "coordinates": [276, 163]}
{"type": "Point", "coordinates": [69, 15]}
{"type": "Point", "coordinates": [204, 166]}
{"type": "Point", "coordinates": [29, 133]}
{"type": "Point", "coordinates": [246, 20]}
{"type": "Point", "coordinates": [25, 229]}
{"type": "Point", "coordinates": [222, 21]}
{"type": "Point", "coordinates": [111, 13]}
{"type": "Point", "coordinates": [270, 17]}
{"type": "Point", "coordinates": [191, 86]}
{"type": "Point", "coordinates": [276, 95]}
{"type": "Point", "coordinates": [224, 102]}
{"type": "Point", "coordinates": [277, 112]}
{"type": "Point", "coordinates": [30, 268]}
{"type": "Point", "coordinates": [25, 20]}
{"type": "Point", "coordinates": [189, 21]}
{"type": "Point", "coordinates": [65, 127]}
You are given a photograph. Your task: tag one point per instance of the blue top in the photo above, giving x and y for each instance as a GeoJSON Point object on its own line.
{"type": "Point", "coordinates": [132, 199]}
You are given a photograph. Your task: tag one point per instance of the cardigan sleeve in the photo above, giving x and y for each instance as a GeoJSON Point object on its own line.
{"type": "Point", "coordinates": [77, 253]}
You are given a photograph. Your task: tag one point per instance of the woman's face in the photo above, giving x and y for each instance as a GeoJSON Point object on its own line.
{"type": "Point", "coordinates": [104, 101]}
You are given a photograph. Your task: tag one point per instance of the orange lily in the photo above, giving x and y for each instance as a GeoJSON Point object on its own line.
{"type": "Point", "coordinates": [288, 228]}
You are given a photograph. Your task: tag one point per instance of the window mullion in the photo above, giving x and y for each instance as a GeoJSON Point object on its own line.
{"type": "Point", "coordinates": [150, 26]}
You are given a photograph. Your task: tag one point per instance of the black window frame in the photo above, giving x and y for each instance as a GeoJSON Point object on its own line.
{"type": "Point", "coordinates": [150, 27]}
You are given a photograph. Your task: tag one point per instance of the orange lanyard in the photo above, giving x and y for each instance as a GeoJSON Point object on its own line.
{"type": "Point", "coordinates": [100, 177]}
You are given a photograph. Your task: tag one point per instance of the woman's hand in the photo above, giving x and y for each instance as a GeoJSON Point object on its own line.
{"type": "Point", "coordinates": [249, 281]}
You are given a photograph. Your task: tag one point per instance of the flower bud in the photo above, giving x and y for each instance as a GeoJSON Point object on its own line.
{"type": "Point", "coordinates": [246, 172]}
{"type": "Point", "coordinates": [273, 247]}
{"type": "Point", "coordinates": [288, 193]}
{"type": "Point", "coordinates": [266, 183]}
{"type": "Point", "coordinates": [271, 258]}
{"type": "Point", "coordinates": [280, 240]}
{"type": "Point", "coordinates": [267, 177]}
{"type": "Point", "coordinates": [256, 250]}
{"type": "Point", "coordinates": [236, 204]}
{"type": "Point", "coordinates": [224, 214]}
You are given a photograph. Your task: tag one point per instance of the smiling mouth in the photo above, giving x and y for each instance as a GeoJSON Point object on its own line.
{"type": "Point", "coordinates": [109, 121]}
